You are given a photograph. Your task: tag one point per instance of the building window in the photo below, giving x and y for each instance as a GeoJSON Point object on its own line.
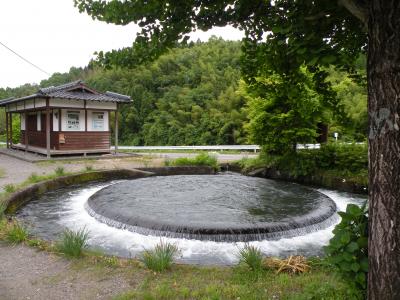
{"type": "Point", "coordinates": [73, 120]}
{"type": "Point", "coordinates": [98, 121]}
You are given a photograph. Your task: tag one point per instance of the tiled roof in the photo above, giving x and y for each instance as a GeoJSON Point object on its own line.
{"type": "Point", "coordinates": [76, 90]}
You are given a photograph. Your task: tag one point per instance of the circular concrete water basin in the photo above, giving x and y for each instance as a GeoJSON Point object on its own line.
{"type": "Point", "coordinates": [209, 217]}
{"type": "Point", "coordinates": [219, 208]}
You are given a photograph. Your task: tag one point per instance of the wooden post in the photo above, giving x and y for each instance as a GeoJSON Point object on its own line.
{"type": "Point", "coordinates": [11, 130]}
{"type": "Point", "coordinates": [48, 130]}
{"type": "Point", "coordinates": [116, 130]}
{"type": "Point", "coordinates": [26, 131]}
{"type": "Point", "coordinates": [59, 120]}
{"type": "Point", "coordinates": [7, 135]}
{"type": "Point", "coordinates": [85, 117]}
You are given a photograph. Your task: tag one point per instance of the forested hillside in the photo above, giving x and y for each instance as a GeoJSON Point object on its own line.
{"type": "Point", "coordinates": [193, 95]}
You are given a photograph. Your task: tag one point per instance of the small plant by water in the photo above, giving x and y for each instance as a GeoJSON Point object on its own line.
{"type": "Point", "coordinates": [3, 207]}
{"type": "Point", "coordinates": [60, 171]}
{"type": "Point", "coordinates": [89, 168]}
{"type": "Point", "coordinates": [73, 243]}
{"type": "Point", "coordinates": [161, 257]}
{"type": "Point", "coordinates": [10, 188]}
{"type": "Point", "coordinates": [34, 178]}
{"type": "Point", "coordinates": [16, 232]}
{"type": "Point", "coordinates": [251, 256]}
{"type": "Point", "coordinates": [348, 249]}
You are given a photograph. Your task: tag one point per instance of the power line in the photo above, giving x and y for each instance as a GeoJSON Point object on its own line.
{"type": "Point", "coordinates": [32, 64]}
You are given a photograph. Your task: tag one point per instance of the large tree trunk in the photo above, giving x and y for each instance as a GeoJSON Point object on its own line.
{"type": "Point", "coordinates": [384, 149]}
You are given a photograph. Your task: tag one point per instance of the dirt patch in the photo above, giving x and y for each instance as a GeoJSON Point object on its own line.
{"type": "Point", "coordinates": [28, 274]}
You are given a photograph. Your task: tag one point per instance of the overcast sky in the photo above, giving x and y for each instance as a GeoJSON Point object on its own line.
{"type": "Point", "coordinates": [53, 35]}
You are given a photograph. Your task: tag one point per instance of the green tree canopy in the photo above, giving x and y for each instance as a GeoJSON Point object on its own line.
{"type": "Point", "coordinates": [286, 35]}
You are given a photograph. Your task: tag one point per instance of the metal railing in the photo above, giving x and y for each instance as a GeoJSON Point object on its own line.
{"type": "Point", "coordinates": [253, 148]}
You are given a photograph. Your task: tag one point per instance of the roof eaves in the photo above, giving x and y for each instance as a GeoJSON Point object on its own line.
{"type": "Point", "coordinates": [13, 100]}
{"type": "Point", "coordinates": [118, 96]}
{"type": "Point", "coordinates": [65, 86]}
{"type": "Point", "coordinates": [5, 101]}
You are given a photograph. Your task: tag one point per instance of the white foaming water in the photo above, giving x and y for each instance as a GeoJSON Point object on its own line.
{"type": "Point", "coordinates": [130, 244]}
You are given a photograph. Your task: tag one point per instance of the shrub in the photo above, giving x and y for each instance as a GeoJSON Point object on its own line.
{"type": "Point", "coordinates": [161, 257]}
{"type": "Point", "coordinates": [10, 188]}
{"type": "Point", "coordinates": [16, 232]}
{"type": "Point", "coordinates": [60, 171]}
{"type": "Point", "coordinates": [89, 168]}
{"type": "Point", "coordinates": [202, 159]}
{"type": "Point", "coordinates": [348, 249]}
{"type": "Point", "coordinates": [72, 243]}
{"type": "Point", "coordinates": [338, 159]}
{"type": "Point", "coordinates": [251, 256]}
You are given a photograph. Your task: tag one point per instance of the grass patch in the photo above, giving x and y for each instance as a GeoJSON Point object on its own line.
{"type": "Point", "coordinates": [34, 178]}
{"type": "Point", "coordinates": [15, 232]}
{"type": "Point", "coordinates": [88, 168]}
{"type": "Point", "coordinates": [161, 257]}
{"type": "Point", "coordinates": [202, 159]}
{"type": "Point", "coordinates": [3, 207]}
{"type": "Point", "coordinates": [191, 282]}
{"type": "Point", "coordinates": [59, 171]}
{"type": "Point", "coordinates": [251, 256]}
{"type": "Point", "coordinates": [73, 243]}
{"type": "Point", "coordinates": [10, 188]}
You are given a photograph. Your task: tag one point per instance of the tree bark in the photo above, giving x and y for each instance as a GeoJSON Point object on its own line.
{"type": "Point", "coordinates": [384, 149]}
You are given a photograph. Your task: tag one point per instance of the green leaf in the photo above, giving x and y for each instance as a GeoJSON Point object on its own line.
{"type": "Point", "coordinates": [329, 59]}
{"type": "Point", "coordinates": [364, 264]}
{"type": "Point", "coordinates": [344, 266]}
{"type": "Point", "coordinates": [354, 210]}
{"type": "Point", "coordinates": [361, 279]}
{"type": "Point", "coordinates": [348, 256]}
{"type": "Point", "coordinates": [352, 247]}
{"type": "Point", "coordinates": [355, 267]}
{"type": "Point", "coordinates": [362, 242]}
{"type": "Point", "coordinates": [345, 237]}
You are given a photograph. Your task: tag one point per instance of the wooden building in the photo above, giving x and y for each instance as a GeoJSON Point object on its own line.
{"type": "Point", "coordinates": [68, 119]}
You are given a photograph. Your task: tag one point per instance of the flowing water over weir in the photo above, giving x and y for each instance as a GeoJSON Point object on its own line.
{"type": "Point", "coordinates": [307, 227]}
{"type": "Point", "coordinates": [221, 208]}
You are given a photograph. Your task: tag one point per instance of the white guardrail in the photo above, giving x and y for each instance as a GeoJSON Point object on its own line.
{"type": "Point", "coordinates": [213, 147]}
{"type": "Point", "coordinates": [254, 148]}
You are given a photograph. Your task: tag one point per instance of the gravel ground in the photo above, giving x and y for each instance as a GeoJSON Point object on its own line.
{"type": "Point", "coordinates": [28, 274]}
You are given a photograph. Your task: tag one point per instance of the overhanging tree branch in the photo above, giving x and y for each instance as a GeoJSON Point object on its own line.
{"type": "Point", "coordinates": [356, 9]}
